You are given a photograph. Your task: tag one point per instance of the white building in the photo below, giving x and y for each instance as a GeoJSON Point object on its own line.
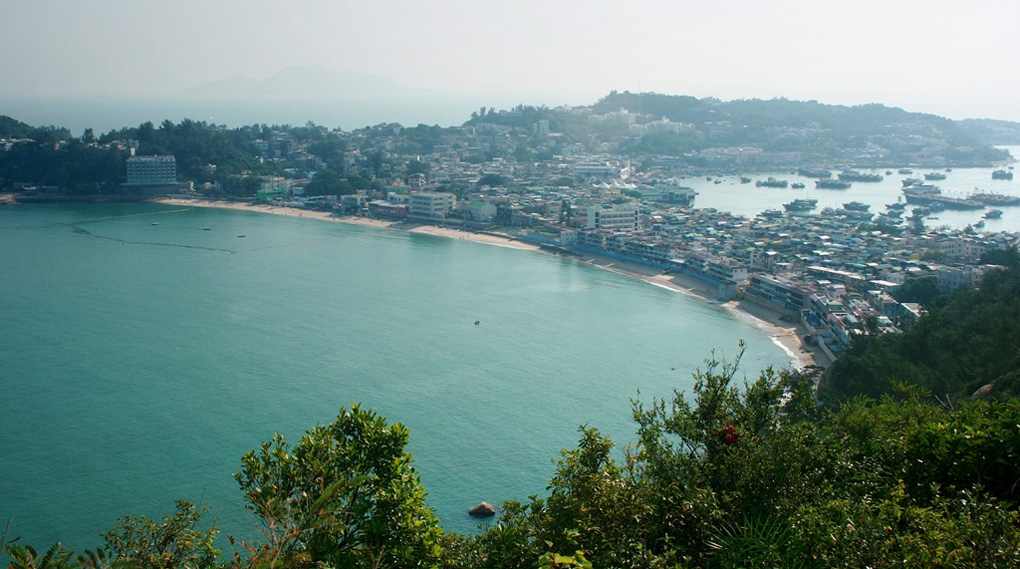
{"type": "Point", "coordinates": [431, 206]}
{"type": "Point", "coordinates": [622, 217]}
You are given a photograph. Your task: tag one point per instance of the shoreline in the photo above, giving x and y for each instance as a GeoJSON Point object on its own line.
{"type": "Point", "coordinates": [787, 335]}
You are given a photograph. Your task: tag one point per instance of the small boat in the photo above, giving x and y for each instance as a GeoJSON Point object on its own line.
{"type": "Point", "coordinates": [207, 229]}
{"type": "Point", "coordinates": [745, 180]}
{"type": "Point", "coordinates": [797, 186]}
{"type": "Point", "coordinates": [993, 214]}
{"type": "Point", "coordinates": [905, 171]}
{"type": "Point", "coordinates": [934, 176]}
{"type": "Point", "coordinates": [241, 235]}
{"type": "Point", "coordinates": [1002, 175]}
{"type": "Point", "coordinates": [155, 223]}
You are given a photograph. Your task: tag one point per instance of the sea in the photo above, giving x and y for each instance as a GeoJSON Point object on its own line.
{"type": "Point", "coordinates": [147, 347]}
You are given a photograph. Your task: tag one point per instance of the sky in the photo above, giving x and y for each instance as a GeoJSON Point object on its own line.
{"type": "Point", "coordinates": [953, 58]}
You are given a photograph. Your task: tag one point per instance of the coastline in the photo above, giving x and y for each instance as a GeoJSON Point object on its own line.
{"type": "Point", "coordinates": [788, 336]}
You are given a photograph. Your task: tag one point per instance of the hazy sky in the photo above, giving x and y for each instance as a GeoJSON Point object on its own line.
{"type": "Point", "coordinates": [954, 58]}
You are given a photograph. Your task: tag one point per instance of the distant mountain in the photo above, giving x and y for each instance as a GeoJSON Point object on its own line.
{"type": "Point", "coordinates": [305, 83]}
{"type": "Point", "coordinates": [991, 131]}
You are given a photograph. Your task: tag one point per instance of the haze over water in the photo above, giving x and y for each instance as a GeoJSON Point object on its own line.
{"type": "Point", "coordinates": [141, 361]}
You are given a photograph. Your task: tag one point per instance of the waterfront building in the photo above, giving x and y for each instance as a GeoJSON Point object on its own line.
{"type": "Point", "coordinates": [387, 209]}
{"type": "Point", "coordinates": [151, 170]}
{"type": "Point", "coordinates": [623, 217]}
{"type": "Point", "coordinates": [152, 175]}
{"type": "Point", "coordinates": [779, 293]}
{"type": "Point", "coordinates": [431, 206]}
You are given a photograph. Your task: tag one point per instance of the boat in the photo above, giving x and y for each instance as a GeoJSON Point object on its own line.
{"type": "Point", "coordinates": [856, 206]}
{"type": "Point", "coordinates": [771, 213]}
{"type": "Point", "coordinates": [888, 220]}
{"type": "Point", "coordinates": [772, 183]}
{"type": "Point", "coordinates": [980, 224]}
{"type": "Point", "coordinates": [849, 214]}
{"type": "Point", "coordinates": [934, 195]}
{"type": "Point", "coordinates": [854, 176]}
{"type": "Point", "coordinates": [993, 214]}
{"type": "Point", "coordinates": [918, 183]}
{"type": "Point", "coordinates": [934, 176]}
{"type": "Point", "coordinates": [832, 184]}
{"type": "Point", "coordinates": [1002, 175]}
{"type": "Point", "coordinates": [989, 198]}
{"type": "Point", "coordinates": [745, 180]}
{"type": "Point", "coordinates": [797, 186]}
{"type": "Point", "coordinates": [814, 173]}
{"type": "Point", "coordinates": [905, 171]}
{"type": "Point", "coordinates": [801, 204]}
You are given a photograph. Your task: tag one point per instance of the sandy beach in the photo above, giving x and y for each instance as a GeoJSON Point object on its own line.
{"type": "Point", "coordinates": [788, 335]}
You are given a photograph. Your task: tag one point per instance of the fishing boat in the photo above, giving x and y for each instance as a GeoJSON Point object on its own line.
{"type": "Point", "coordinates": [993, 214]}
{"type": "Point", "coordinates": [854, 176]}
{"type": "Point", "coordinates": [814, 173]}
{"type": "Point", "coordinates": [832, 184]}
{"type": "Point", "coordinates": [772, 183]}
{"type": "Point", "coordinates": [801, 204]}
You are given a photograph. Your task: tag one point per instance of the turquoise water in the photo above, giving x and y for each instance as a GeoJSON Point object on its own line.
{"type": "Point", "coordinates": [141, 361]}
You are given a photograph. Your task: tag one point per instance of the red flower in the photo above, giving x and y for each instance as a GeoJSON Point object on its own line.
{"type": "Point", "coordinates": [728, 434]}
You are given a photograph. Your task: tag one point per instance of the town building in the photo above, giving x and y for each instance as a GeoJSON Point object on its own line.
{"type": "Point", "coordinates": [151, 170]}
{"type": "Point", "coordinates": [623, 217]}
{"type": "Point", "coordinates": [431, 206]}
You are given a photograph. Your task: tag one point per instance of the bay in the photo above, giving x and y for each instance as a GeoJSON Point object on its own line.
{"type": "Point", "coordinates": [144, 354]}
{"type": "Point", "coordinates": [748, 200]}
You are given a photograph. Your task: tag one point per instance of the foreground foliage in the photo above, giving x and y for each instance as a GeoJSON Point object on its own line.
{"type": "Point", "coordinates": [755, 475]}
{"type": "Point", "coordinates": [967, 340]}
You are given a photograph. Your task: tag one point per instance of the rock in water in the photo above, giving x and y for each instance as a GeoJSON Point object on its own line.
{"type": "Point", "coordinates": [482, 510]}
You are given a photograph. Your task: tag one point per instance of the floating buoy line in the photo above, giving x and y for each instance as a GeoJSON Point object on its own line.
{"type": "Point", "coordinates": [76, 226]}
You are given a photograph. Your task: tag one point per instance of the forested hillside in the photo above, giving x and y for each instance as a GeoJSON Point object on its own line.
{"type": "Point", "coordinates": [967, 340]}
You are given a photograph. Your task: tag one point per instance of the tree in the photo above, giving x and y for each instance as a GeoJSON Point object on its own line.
{"type": "Point", "coordinates": [920, 290]}
{"type": "Point", "coordinates": [346, 495]}
{"type": "Point", "coordinates": [491, 180]}
{"type": "Point", "coordinates": [417, 167]}
{"type": "Point", "coordinates": [142, 543]}
{"type": "Point", "coordinates": [327, 183]}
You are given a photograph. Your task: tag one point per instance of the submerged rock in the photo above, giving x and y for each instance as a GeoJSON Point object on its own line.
{"type": "Point", "coordinates": [482, 510]}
